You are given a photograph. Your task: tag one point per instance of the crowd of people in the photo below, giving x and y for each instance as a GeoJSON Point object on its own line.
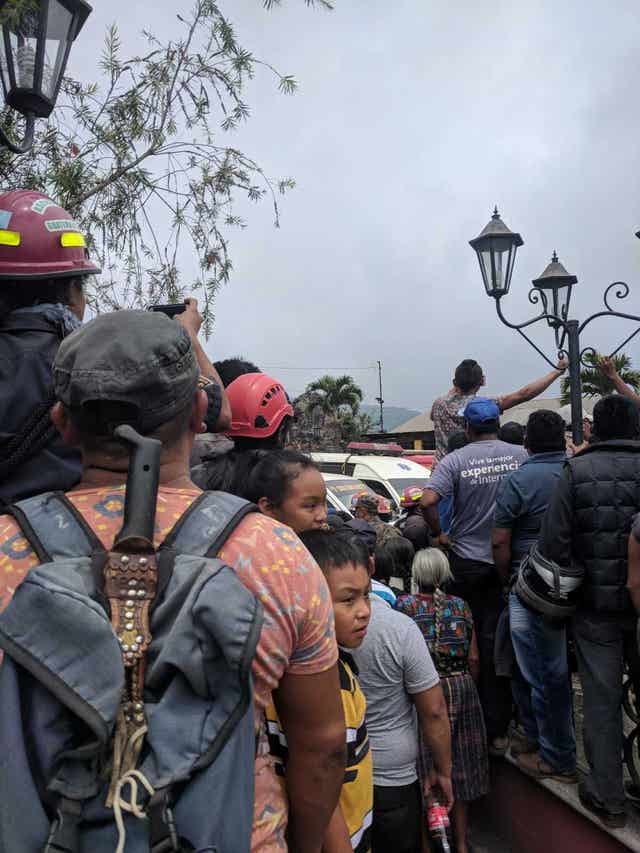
{"type": "Point", "coordinates": [149, 607]}
{"type": "Point", "coordinates": [542, 549]}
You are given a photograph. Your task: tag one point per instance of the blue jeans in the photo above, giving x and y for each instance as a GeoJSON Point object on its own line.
{"type": "Point", "coordinates": [544, 693]}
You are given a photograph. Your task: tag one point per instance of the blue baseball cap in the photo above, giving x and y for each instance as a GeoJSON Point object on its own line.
{"type": "Point", "coordinates": [481, 410]}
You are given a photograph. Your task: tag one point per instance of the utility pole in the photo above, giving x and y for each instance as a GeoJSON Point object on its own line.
{"type": "Point", "coordinates": [379, 399]}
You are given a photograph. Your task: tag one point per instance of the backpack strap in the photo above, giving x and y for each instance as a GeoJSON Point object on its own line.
{"type": "Point", "coordinates": [64, 836]}
{"type": "Point", "coordinates": [163, 835]}
{"type": "Point", "coordinates": [54, 528]}
{"type": "Point", "coordinates": [204, 528]}
{"type": "Point", "coordinates": [201, 531]}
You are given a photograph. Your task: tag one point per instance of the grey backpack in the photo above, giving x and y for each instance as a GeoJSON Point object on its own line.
{"type": "Point", "coordinates": [126, 712]}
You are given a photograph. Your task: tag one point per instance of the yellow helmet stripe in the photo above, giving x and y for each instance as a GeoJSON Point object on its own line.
{"type": "Point", "coordinates": [72, 239]}
{"type": "Point", "coordinates": [9, 238]}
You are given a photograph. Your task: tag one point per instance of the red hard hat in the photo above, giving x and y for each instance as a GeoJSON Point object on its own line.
{"type": "Point", "coordinates": [411, 496]}
{"type": "Point", "coordinates": [39, 239]}
{"type": "Point", "coordinates": [258, 405]}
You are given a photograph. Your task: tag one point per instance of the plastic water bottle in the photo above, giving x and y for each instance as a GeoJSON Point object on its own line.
{"type": "Point", "coordinates": [437, 825]}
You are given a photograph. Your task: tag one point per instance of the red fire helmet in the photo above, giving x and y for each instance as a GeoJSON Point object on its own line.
{"type": "Point", "coordinates": [411, 496]}
{"type": "Point", "coordinates": [39, 239]}
{"type": "Point", "coordinates": [259, 404]}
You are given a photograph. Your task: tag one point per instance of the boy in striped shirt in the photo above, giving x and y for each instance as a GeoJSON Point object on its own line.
{"type": "Point", "coordinates": [345, 566]}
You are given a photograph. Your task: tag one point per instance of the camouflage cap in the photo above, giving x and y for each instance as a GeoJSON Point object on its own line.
{"type": "Point", "coordinates": [141, 359]}
{"type": "Point", "coordinates": [367, 502]}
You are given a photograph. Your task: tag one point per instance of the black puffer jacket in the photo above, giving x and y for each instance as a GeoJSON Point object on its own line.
{"type": "Point", "coordinates": [589, 518]}
{"type": "Point", "coordinates": [28, 345]}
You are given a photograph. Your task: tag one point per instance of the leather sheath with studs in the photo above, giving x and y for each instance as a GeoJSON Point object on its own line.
{"type": "Point", "coordinates": [131, 582]}
{"type": "Point", "coordinates": [131, 571]}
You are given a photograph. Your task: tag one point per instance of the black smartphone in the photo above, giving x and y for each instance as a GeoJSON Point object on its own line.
{"type": "Point", "coordinates": [171, 310]}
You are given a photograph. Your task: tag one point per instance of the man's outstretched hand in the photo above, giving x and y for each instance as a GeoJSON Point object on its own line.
{"type": "Point", "coordinates": [190, 319]}
{"type": "Point", "coordinates": [607, 367]}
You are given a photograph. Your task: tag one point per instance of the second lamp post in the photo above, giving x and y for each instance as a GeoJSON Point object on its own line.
{"type": "Point", "coordinates": [496, 248]}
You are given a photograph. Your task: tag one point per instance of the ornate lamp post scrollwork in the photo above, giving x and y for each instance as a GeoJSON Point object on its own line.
{"type": "Point", "coordinates": [496, 247]}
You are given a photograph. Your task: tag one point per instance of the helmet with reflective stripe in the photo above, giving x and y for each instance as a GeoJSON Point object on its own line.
{"type": "Point", "coordinates": [259, 404]}
{"type": "Point", "coordinates": [548, 588]}
{"type": "Point", "coordinates": [411, 496]}
{"type": "Point", "coordinates": [39, 239]}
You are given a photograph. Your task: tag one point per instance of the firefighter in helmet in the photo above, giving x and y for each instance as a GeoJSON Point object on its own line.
{"type": "Point", "coordinates": [43, 268]}
{"type": "Point", "coordinates": [412, 524]}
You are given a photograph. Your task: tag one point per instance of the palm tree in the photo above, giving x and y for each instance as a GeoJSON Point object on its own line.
{"type": "Point", "coordinates": [354, 427]}
{"type": "Point", "coordinates": [335, 394]}
{"type": "Point", "coordinates": [595, 383]}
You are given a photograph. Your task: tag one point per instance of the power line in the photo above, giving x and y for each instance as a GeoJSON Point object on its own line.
{"type": "Point", "coordinates": [281, 367]}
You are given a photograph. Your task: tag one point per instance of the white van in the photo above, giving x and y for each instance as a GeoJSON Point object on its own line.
{"type": "Point", "coordinates": [388, 476]}
{"type": "Point", "coordinates": [341, 490]}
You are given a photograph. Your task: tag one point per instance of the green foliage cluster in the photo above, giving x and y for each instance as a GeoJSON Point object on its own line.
{"type": "Point", "coordinates": [335, 394]}
{"type": "Point", "coordinates": [354, 427]}
{"type": "Point", "coordinates": [141, 158]}
{"type": "Point", "coordinates": [25, 13]}
{"type": "Point", "coordinates": [339, 398]}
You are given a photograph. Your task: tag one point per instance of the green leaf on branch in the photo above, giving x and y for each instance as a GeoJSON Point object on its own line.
{"type": "Point", "coordinates": [288, 85]}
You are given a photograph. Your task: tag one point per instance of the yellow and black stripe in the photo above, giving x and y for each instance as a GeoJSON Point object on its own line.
{"type": "Point", "coordinates": [356, 797]}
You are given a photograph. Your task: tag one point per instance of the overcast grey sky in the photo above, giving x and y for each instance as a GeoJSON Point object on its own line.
{"type": "Point", "coordinates": [415, 117]}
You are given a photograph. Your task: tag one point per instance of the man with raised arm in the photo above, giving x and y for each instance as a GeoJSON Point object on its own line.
{"type": "Point", "coordinates": [446, 411]}
{"type": "Point", "coordinates": [608, 368]}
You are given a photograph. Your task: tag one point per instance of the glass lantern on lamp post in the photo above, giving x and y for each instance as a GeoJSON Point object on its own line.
{"type": "Point", "coordinates": [556, 283]}
{"type": "Point", "coordinates": [34, 49]}
{"type": "Point", "coordinates": [496, 248]}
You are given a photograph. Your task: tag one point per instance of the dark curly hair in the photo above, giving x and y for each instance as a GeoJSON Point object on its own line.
{"type": "Point", "coordinates": [616, 417]}
{"type": "Point", "coordinates": [468, 375]}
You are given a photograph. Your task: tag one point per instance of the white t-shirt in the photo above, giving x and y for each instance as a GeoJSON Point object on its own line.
{"type": "Point", "coordinates": [393, 663]}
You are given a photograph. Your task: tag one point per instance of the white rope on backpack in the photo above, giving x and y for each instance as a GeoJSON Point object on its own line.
{"type": "Point", "coordinates": [126, 752]}
{"type": "Point", "coordinates": [120, 804]}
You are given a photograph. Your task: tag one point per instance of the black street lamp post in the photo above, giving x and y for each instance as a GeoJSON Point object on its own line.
{"type": "Point", "coordinates": [34, 49]}
{"type": "Point", "coordinates": [496, 247]}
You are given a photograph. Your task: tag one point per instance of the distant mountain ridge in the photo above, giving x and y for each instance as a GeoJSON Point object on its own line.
{"type": "Point", "coordinates": [393, 415]}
